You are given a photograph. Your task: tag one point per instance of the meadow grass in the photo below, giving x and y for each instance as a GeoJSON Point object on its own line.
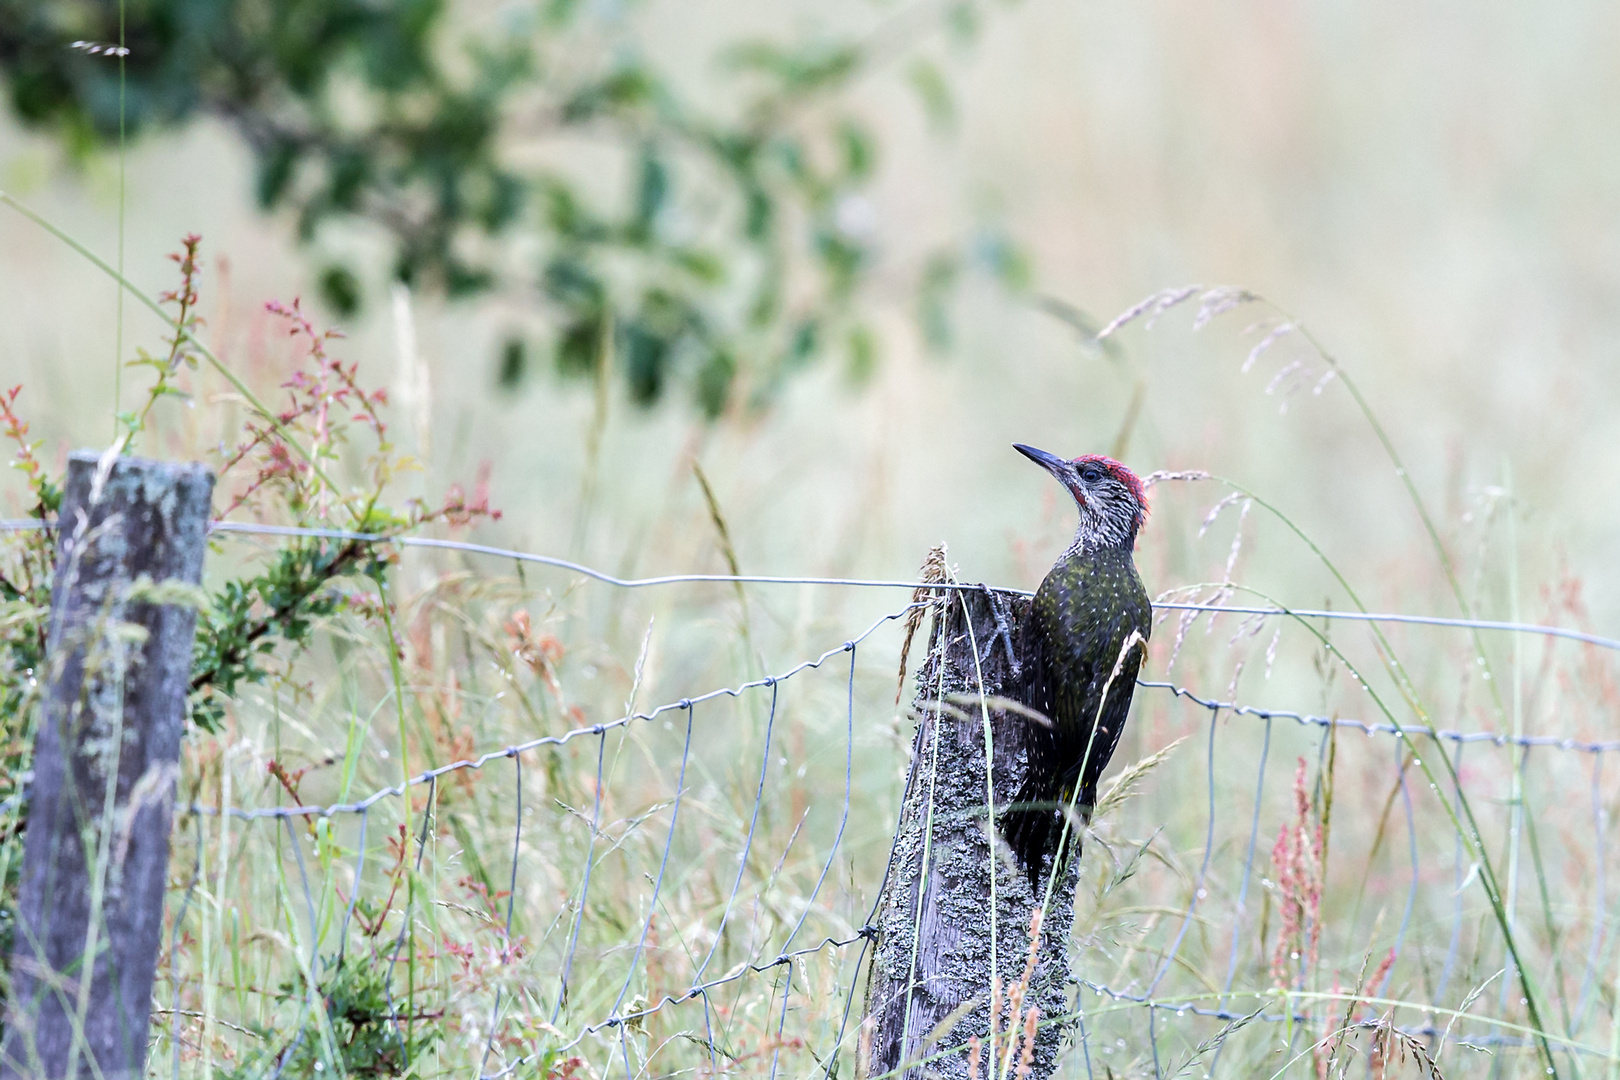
{"type": "Point", "coordinates": [1426, 903]}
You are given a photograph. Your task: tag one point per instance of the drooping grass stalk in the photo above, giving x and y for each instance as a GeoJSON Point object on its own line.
{"type": "Point", "coordinates": [1344, 377]}
{"type": "Point", "coordinates": [753, 662]}
{"type": "Point", "coordinates": [1338, 370]}
{"type": "Point", "coordinates": [1403, 681]}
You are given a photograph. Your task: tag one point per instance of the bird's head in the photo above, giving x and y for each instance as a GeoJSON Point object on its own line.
{"type": "Point", "coordinates": [1111, 499]}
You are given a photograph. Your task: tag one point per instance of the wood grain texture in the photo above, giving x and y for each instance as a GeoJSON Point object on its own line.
{"type": "Point", "coordinates": [933, 925]}
{"type": "Point", "coordinates": [106, 756]}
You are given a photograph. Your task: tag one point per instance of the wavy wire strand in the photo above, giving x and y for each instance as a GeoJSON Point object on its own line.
{"type": "Point", "coordinates": [1378, 728]}
{"type": "Point", "coordinates": [470, 548]}
{"type": "Point", "coordinates": [480, 761]}
{"type": "Point", "coordinates": [692, 993]}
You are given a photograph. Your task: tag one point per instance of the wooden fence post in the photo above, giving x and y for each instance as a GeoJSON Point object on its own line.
{"type": "Point", "coordinates": [106, 757]}
{"type": "Point", "coordinates": [930, 985]}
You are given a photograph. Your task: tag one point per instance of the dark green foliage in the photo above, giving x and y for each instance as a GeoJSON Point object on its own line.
{"type": "Point", "coordinates": [369, 1038]}
{"type": "Point", "coordinates": [514, 364]}
{"type": "Point", "coordinates": [399, 115]}
{"type": "Point", "coordinates": [241, 625]}
{"type": "Point", "coordinates": [341, 289]}
{"type": "Point", "coordinates": [25, 596]}
{"type": "Point", "coordinates": [714, 382]}
{"type": "Point", "coordinates": [245, 619]}
{"type": "Point", "coordinates": [26, 562]}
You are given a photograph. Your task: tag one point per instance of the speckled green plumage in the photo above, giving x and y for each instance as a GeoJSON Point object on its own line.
{"type": "Point", "coordinates": [1080, 665]}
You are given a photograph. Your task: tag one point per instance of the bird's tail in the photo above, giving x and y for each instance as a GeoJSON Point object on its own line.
{"type": "Point", "coordinates": [1033, 828]}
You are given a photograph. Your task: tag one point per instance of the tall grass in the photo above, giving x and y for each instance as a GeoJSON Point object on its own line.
{"type": "Point", "coordinates": [429, 934]}
{"type": "Point", "coordinates": [1459, 912]}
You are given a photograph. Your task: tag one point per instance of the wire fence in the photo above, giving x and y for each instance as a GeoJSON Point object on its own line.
{"type": "Point", "coordinates": [669, 906]}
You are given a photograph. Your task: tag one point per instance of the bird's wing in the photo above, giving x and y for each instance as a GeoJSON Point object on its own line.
{"type": "Point", "coordinates": [1031, 833]}
{"type": "Point", "coordinates": [1040, 694]}
{"type": "Point", "coordinates": [1097, 687]}
{"type": "Point", "coordinates": [1109, 701]}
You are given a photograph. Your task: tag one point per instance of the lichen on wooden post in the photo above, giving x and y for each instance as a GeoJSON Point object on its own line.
{"type": "Point", "coordinates": [130, 541]}
{"type": "Point", "coordinates": [931, 982]}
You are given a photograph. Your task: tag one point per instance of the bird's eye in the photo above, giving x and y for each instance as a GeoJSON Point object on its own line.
{"type": "Point", "coordinates": [1090, 474]}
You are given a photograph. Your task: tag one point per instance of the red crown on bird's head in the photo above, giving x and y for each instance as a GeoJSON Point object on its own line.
{"type": "Point", "coordinates": [1120, 473]}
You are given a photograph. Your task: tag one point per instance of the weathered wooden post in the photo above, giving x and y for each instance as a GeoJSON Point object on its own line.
{"type": "Point", "coordinates": [106, 757]}
{"type": "Point", "coordinates": [931, 987]}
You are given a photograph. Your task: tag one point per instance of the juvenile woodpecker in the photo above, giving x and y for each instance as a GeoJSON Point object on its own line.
{"type": "Point", "coordinates": [1083, 644]}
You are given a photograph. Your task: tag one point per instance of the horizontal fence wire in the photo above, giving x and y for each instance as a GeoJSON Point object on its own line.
{"type": "Point", "coordinates": [431, 775]}
{"type": "Point", "coordinates": [1102, 1030]}
{"type": "Point", "coordinates": [1237, 709]}
{"type": "Point", "coordinates": [466, 547]}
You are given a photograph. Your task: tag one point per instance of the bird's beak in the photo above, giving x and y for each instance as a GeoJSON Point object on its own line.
{"type": "Point", "coordinates": [1050, 462]}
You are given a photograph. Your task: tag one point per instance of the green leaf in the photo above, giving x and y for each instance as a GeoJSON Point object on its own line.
{"type": "Point", "coordinates": [513, 364]}
{"type": "Point", "coordinates": [646, 357]}
{"type": "Point", "coordinates": [935, 94]}
{"type": "Point", "coordinates": [863, 353]}
{"type": "Point", "coordinates": [714, 380]}
{"type": "Point", "coordinates": [803, 343]}
{"type": "Point", "coordinates": [997, 252]}
{"type": "Point", "coordinates": [933, 299]}
{"type": "Point", "coordinates": [341, 290]}
{"type": "Point", "coordinates": [859, 153]}
{"type": "Point", "coordinates": [652, 187]}
{"type": "Point", "coordinates": [276, 163]}
{"type": "Point", "coordinates": [579, 346]}
{"type": "Point", "coordinates": [705, 266]}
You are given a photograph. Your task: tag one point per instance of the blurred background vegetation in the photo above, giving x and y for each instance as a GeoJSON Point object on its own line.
{"type": "Point", "coordinates": [893, 198]}
{"type": "Point", "coordinates": [698, 236]}
{"type": "Point", "coordinates": [700, 285]}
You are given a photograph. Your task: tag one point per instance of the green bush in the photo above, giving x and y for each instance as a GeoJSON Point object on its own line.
{"type": "Point", "coordinates": [724, 263]}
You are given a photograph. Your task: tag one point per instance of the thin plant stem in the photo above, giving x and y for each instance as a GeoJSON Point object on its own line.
{"type": "Point", "coordinates": [1405, 476]}
{"type": "Point", "coordinates": [1471, 835]}
{"type": "Point", "coordinates": [397, 675]}
{"type": "Point", "coordinates": [118, 310]}
{"type": "Point", "coordinates": [202, 350]}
